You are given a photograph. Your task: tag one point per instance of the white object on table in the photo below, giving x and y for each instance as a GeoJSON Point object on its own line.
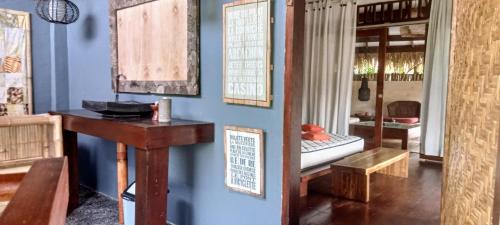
{"type": "Point", "coordinates": [165, 110]}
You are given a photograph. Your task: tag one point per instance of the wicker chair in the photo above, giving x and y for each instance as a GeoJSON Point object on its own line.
{"type": "Point", "coordinates": [24, 139]}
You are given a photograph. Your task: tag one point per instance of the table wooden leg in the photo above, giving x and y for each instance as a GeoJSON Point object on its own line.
{"type": "Point", "coordinates": [71, 151]}
{"type": "Point", "coordinates": [347, 183]}
{"type": "Point", "coordinates": [397, 169]}
{"type": "Point", "coordinates": [151, 186]}
{"type": "Point", "coordinates": [404, 142]}
{"type": "Point", "coordinates": [122, 175]}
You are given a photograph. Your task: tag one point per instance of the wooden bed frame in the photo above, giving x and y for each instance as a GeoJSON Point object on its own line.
{"type": "Point", "coordinates": [307, 175]}
{"type": "Point", "coordinates": [38, 197]}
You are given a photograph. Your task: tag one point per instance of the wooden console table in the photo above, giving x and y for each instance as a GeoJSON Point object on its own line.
{"type": "Point", "coordinates": [151, 140]}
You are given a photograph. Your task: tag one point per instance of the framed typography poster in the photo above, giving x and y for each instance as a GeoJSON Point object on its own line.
{"type": "Point", "coordinates": [247, 52]}
{"type": "Point", "coordinates": [15, 63]}
{"type": "Point", "coordinates": [244, 160]}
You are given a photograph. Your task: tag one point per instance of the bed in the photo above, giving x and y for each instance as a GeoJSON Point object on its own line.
{"type": "Point", "coordinates": [316, 156]}
{"type": "Point", "coordinates": [318, 153]}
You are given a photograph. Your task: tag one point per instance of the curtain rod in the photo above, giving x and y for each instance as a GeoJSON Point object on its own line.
{"type": "Point", "coordinates": [393, 24]}
{"type": "Point", "coordinates": [341, 1]}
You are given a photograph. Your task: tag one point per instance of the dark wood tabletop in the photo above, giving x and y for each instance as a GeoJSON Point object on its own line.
{"type": "Point", "coordinates": [140, 132]}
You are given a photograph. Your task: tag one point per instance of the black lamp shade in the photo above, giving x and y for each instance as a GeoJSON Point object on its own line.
{"type": "Point", "coordinates": [364, 91]}
{"type": "Point", "coordinates": [57, 11]}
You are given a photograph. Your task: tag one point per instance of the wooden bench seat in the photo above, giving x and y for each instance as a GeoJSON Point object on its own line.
{"type": "Point", "coordinates": [351, 175]}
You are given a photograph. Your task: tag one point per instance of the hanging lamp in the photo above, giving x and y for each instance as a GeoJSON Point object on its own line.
{"type": "Point", "coordinates": [364, 91]}
{"type": "Point", "coordinates": [57, 11]}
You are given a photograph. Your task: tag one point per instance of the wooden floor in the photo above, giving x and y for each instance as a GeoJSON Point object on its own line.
{"type": "Point", "coordinates": [394, 201]}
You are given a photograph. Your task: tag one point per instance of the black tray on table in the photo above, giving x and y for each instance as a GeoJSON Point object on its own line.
{"type": "Point", "coordinates": [119, 109]}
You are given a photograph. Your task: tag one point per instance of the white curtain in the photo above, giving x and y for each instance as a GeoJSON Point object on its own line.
{"type": "Point", "coordinates": [436, 78]}
{"type": "Point", "coordinates": [330, 33]}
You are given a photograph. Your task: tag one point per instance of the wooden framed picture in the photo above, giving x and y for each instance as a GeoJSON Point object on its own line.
{"type": "Point", "coordinates": [15, 63]}
{"type": "Point", "coordinates": [248, 52]}
{"type": "Point", "coordinates": [244, 160]}
{"type": "Point", "coordinates": [155, 46]}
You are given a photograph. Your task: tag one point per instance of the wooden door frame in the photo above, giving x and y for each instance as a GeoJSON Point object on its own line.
{"type": "Point", "coordinates": [294, 46]}
{"type": "Point", "coordinates": [294, 53]}
{"type": "Point", "coordinates": [293, 77]}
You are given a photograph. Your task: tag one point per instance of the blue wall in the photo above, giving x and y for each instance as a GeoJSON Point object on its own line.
{"type": "Point", "coordinates": [49, 58]}
{"type": "Point", "coordinates": [198, 195]}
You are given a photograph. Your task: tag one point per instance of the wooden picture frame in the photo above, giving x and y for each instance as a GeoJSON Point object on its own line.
{"type": "Point", "coordinates": [174, 56]}
{"type": "Point", "coordinates": [255, 166]}
{"type": "Point", "coordinates": [16, 88]}
{"type": "Point", "coordinates": [255, 88]}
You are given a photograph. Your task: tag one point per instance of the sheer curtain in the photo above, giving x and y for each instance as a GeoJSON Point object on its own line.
{"type": "Point", "coordinates": [330, 33]}
{"type": "Point", "coordinates": [436, 78]}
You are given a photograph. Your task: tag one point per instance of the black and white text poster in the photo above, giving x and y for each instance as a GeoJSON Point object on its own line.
{"type": "Point", "coordinates": [244, 159]}
{"type": "Point", "coordinates": [247, 53]}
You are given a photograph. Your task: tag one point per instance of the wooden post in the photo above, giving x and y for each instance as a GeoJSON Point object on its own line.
{"type": "Point", "coordinates": [381, 34]}
{"type": "Point", "coordinates": [122, 175]}
{"type": "Point", "coordinates": [379, 117]}
{"type": "Point", "coordinates": [294, 45]}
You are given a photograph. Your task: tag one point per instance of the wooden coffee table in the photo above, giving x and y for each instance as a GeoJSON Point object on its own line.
{"type": "Point", "coordinates": [351, 175]}
{"type": "Point", "coordinates": [401, 131]}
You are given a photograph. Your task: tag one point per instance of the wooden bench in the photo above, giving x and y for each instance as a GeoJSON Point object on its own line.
{"type": "Point", "coordinates": [351, 175]}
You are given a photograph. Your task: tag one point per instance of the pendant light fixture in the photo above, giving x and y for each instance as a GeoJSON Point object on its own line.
{"type": "Point", "coordinates": [364, 90]}
{"type": "Point", "coordinates": [57, 11]}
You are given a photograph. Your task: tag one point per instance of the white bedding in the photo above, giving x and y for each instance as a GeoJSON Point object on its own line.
{"type": "Point", "coordinates": [317, 153]}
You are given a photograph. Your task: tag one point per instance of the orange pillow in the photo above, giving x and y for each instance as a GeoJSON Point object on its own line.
{"type": "Point", "coordinates": [315, 136]}
{"type": "Point", "coordinates": [312, 128]}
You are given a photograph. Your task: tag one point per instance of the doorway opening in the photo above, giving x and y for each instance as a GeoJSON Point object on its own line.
{"type": "Point", "coordinates": [402, 54]}
{"type": "Point", "coordinates": [360, 114]}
